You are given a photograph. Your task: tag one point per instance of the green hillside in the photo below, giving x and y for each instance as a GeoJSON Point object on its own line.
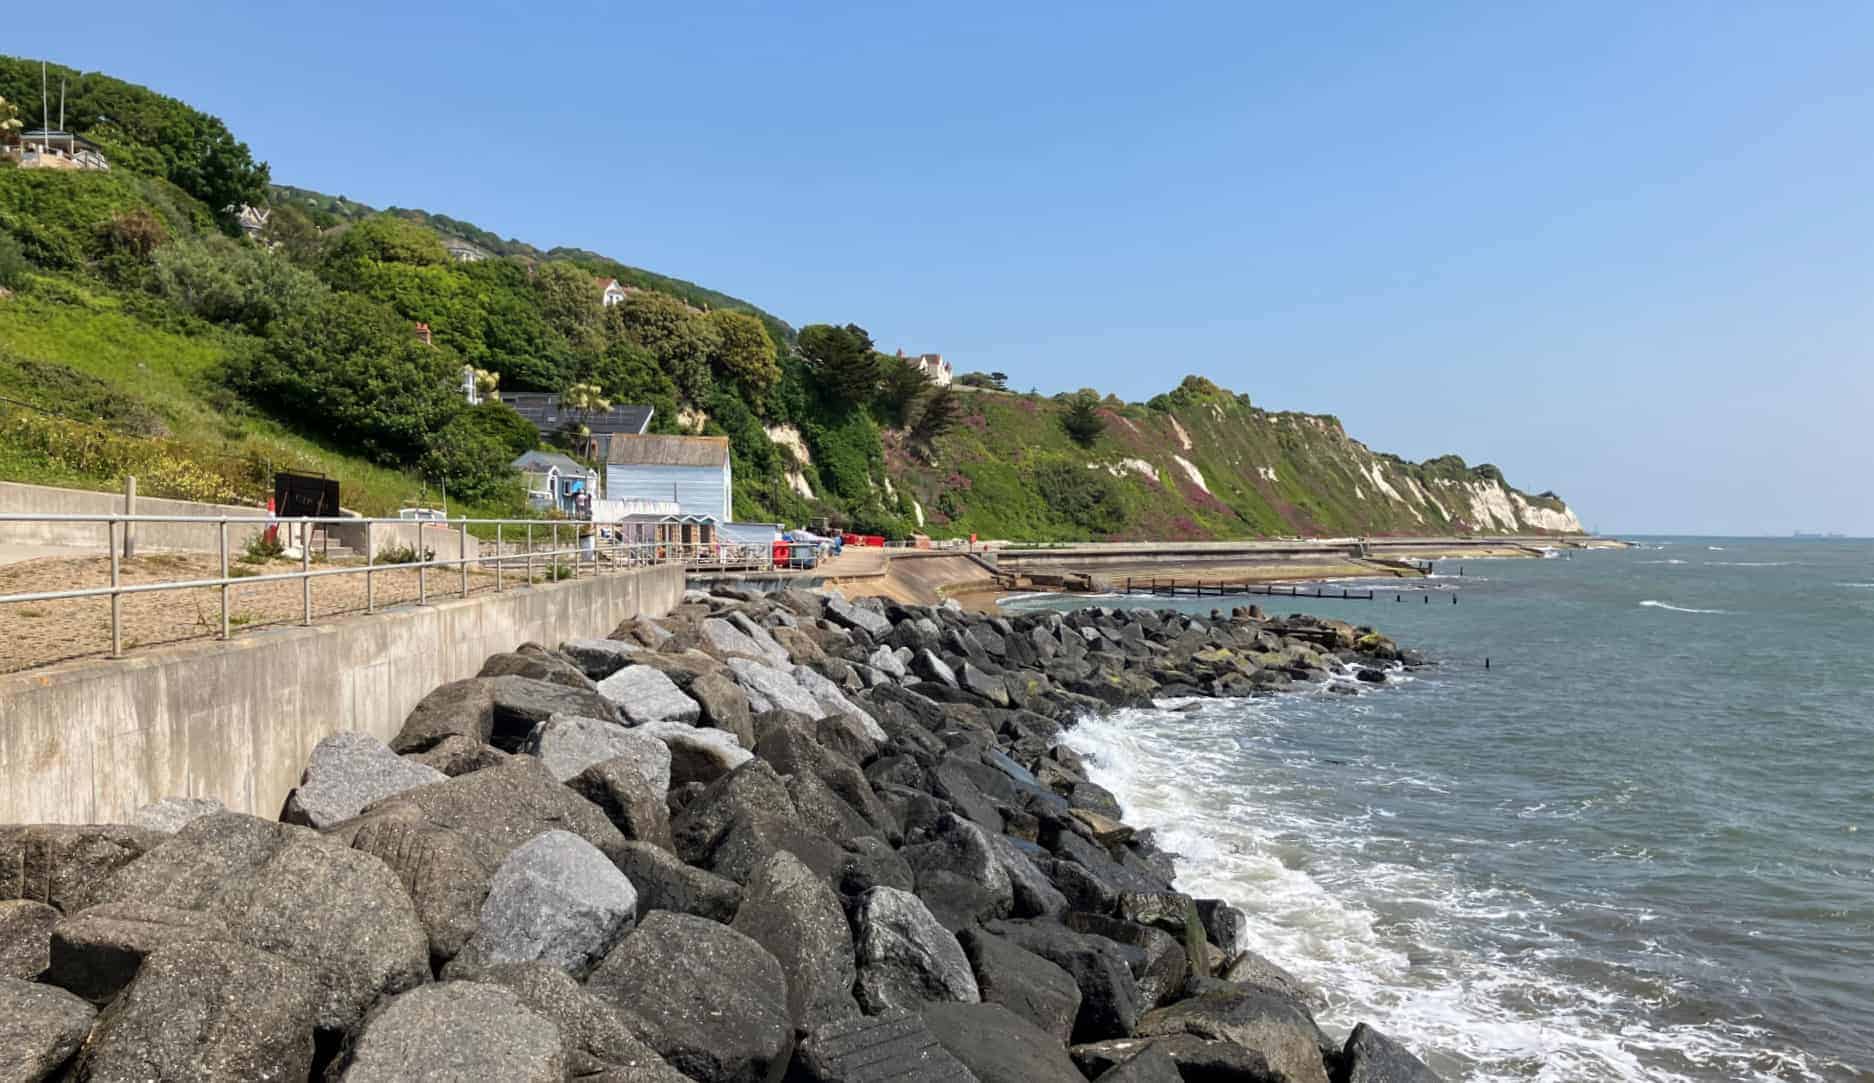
{"type": "Point", "coordinates": [142, 332]}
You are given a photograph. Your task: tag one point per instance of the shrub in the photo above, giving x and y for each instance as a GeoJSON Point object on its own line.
{"type": "Point", "coordinates": [404, 554]}
{"type": "Point", "coordinates": [261, 548]}
{"type": "Point", "coordinates": [1082, 421]}
{"type": "Point", "coordinates": [13, 266]}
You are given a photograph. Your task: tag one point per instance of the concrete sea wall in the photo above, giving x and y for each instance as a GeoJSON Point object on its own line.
{"type": "Point", "coordinates": [21, 499]}
{"type": "Point", "coordinates": [235, 721]}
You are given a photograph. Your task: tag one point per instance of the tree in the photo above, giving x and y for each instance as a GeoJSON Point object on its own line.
{"type": "Point", "coordinates": [680, 339]}
{"type": "Point", "coordinates": [628, 373]}
{"type": "Point", "coordinates": [292, 234]}
{"type": "Point", "coordinates": [383, 238]}
{"type": "Point", "coordinates": [1082, 419]}
{"type": "Point", "coordinates": [10, 123]}
{"type": "Point", "coordinates": [585, 400]}
{"type": "Point", "coordinates": [936, 415]}
{"type": "Point", "coordinates": [902, 389]}
{"type": "Point", "coordinates": [843, 361]}
{"type": "Point", "coordinates": [744, 354]}
{"type": "Point", "coordinates": [12, 263]}
{"type": "Point", "coordinates": [571, 303]}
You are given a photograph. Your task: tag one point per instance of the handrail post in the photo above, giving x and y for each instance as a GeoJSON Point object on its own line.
{"type": "Point", "coordinates": [422, 566]}
{"type": "Point", "coordinates": [370, 561]}
{"type": "Point", "coordinates": [497, 558]}
{"type": "Point", "coordinates": [305, 572]}
{"type": "Point", "coordinates": [462, 554]}
{"type": "Point", "coordinates": [530, 554]}
{"type": "Point", "coordinates": [117, 628]}
{"type": "Point", "coordinates": [225, 589]}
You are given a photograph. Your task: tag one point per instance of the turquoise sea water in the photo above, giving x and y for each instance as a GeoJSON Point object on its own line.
{"type": "Point", "coordinates": [1639, 846]}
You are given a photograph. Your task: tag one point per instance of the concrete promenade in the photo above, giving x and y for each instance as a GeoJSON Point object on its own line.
{"type": "Point", "coordinates": [92, 742]}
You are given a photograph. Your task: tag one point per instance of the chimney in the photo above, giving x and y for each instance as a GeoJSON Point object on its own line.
{"type": "Point", "coordinates": [422, 333]}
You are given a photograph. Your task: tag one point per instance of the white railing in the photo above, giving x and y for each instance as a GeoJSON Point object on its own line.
{"type": "Point", "coordinates": [528, 549]}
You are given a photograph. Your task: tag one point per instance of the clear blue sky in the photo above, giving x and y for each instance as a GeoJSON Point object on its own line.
{"type": "Point", "coordinates": [1624, 251]}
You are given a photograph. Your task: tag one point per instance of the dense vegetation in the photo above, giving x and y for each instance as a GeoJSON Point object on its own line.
{"type": "Point", "coordinates": [145, 333]}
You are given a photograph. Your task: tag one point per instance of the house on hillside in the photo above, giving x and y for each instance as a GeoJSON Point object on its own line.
{"type": "Point", "coordinates": [932, 365]}
{"type": "Point", "coordinates": [693, 471]}
{"type": "Point", "coordinates": [557, 481]}
{"type": "Point", "coordinates": [462, 251]}
{"type": "Point", "coordinates": [253, 221]}
{"type": "Point", "coordinates": [42, 148]}
{"type": "Point", "coordinates": [543, 409]}
{"type": "Point", "coordinates": [611, 293]}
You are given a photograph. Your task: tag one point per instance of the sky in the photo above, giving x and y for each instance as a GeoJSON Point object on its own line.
{"type": "Point", "coordinates": [1625, 252]}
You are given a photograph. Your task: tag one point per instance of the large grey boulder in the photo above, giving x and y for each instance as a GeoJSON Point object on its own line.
{"type": "Point", "coordinates": [793, 750]}
{"type": "Point", "coordinates": [521, 703]}
{"type": "Point", "coordinates": [457, 755]}
{"type": "Point", "coordinates": [456, 1031]}
{"type": "Point", "coordinates": [1022, 982]}
{"type": "Point", "coordinates": [795, 915]}
{"type": "Point", "coordinates": [927, 665]}
{"type": "Point", "coordinates": [498, 808]}
{"type": "Point", "coordinates": [905, 957]}
{"type": "Point", "coordinates": [207, 1010]}
{"type": "Point", "coordinates": [727, 640]}
{"type": "Point", "coordinates": [1034, 894]}
{"type": "Point", "coordinates": [849, 615]}
{"type": "Point", "coordinates": [568, 744]}
{"type": "Point", "coordinates": [556, 899]}
{"type": "Point", "coordinates": [96, 952]}
{"type": "Point", "coordinates": [664, 882]}
{"type": "Point", "coordinates": [534, 661]}
{"type": "Point", "coordinates": [886, 660]}
{"type": "Point", "coordinates": [832, 700]}
{"type": "Point", "coordinates": [40, 1028]}
{"type": "Point", "coordinates": [346, 773]}
{"type": "Point", "coordinates": [600, 658]}
{"type": "Point", "coordinates": [174, 813]}
{"type": "Point", "coordinates": [959, 874]}
{"type": "Point", "coordinates": [1109, 1000]}
{"type": "Point", "coordinates": [724, 707]}
{"type": "Point", "coordinates": [25, 938]}
{"type": "Point", "coordinates": [1372, 1057]}
{"type": "Point", "coordinates": [895, 1047]}
{"type": "Point", "coordinates": [595, 1037]}
{"type": "Point", "coordinates": [1256, 1018]}
{"type": "Point", "coordinates": [713, 1001]}
{"type": "Point", "coordinates": [770, 689]}
{"type": "Point", "coordinates": [644, 694]}
{"type": "Point", "coordinates": [999, 1046]}
{"type": "Point", "coordinates": [633, 803]}
{"type": "Point", "coordinates": [463, 708]}
{"type": "Point", "coordinates": [438, 870]}
{"type": "Point", "coordinates": [752, 790]}
{"type": "Point", "coordinates": [64, 866]}
{"type": "Point", "coordinates": [696, 754]}
{"type": "Point", "coordinates": [1195, 1058]}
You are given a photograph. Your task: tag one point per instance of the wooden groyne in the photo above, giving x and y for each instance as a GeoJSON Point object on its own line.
{"type": "Point", "coordinates": [1202, 588]}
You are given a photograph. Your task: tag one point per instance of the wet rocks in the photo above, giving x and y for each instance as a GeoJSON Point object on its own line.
{"type": "Point", "coordinates": [907, 959]}
{"type": "Point", "coordinates": [1372, 1057]}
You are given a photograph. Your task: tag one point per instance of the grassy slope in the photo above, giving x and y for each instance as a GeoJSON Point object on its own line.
{"type": "Point", "coordinates": [984, 483]}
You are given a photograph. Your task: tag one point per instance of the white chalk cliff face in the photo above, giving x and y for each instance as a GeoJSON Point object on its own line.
{"type": "Point", "coordinates": [788, 437]}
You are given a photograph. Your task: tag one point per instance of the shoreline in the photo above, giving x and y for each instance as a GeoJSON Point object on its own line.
{"type": "Point", "coordinates": [853, 827]}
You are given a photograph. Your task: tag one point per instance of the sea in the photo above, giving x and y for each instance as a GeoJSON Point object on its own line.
{"type": "Point", "coordinates": [1637, 845]}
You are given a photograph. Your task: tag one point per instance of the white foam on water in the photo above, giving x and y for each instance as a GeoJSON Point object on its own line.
{"type": "Point", "coordinates": [1651, 604]}
{"type": "Point", "coordinates": [1750, 563]}
{"type": "Point", "coordinates": [1318, 905]}
{"type": "Point", "coordinates": [1662, 562]}
{"type": "Point", "coordinates": [1715, 548]}
{"type": "Point", "coordinates": [1863, 586]}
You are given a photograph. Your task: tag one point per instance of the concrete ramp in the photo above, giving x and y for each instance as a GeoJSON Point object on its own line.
{"type": "Point", "coordinates": [915, 577]}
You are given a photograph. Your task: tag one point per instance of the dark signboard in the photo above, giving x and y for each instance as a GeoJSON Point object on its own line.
{"type": "Point", "coordinates": [301, 495]}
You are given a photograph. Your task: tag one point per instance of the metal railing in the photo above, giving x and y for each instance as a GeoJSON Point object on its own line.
{"type": "Point", "coordinates": [528, 549]}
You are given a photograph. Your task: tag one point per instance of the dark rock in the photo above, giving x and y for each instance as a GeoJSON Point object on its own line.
{"type": "Point", "coordinates": [751, 789]}
{"type": "Point", "coordinates": [973, 679]}
{"type": "Point", "coordinates": [457, 709]}
{"type": "Point", "coordinates": [568, 744]}
{"type": "Point", "coordinates": [1022, 982]}
{"type": "Point", "coordinates": [594, 1036]}
{"type": "Point", "coordinates": [63, 866]}
{"type": "Point", "coordinates": [800, 647]}
{"type": "Point", "coordinates": [999, 1046]}
{"type": "Point", "coordinates": [1109, 1005]}
{"type": "Point", "coordinates": [25, 938]}
{"type": "Point", "coordinates": [664, 882]}
{"type": "Point", "coordinates": [858, 616]}
{"type": "Point", "coordinates": [619, 789]}
{"type": "Point", "coordinates": [522, 703]}
{"type": "Point", "coordinates": [713, 1001]}
{"type": "Point", "coordinates": [456, 755]}
{"type": "Point", "coordinates": [1199, 1060]}
{"type": "Point", "coordinates": [1149, 1066]}
{"type": "Point", "coordinates": [896, 1047]}
{"type": "Point", "coordinates": [951, 781]}
{"type": "Point", "coordinates": [600, 658]}
{"type": "Point", "coordinates": [833, 701]}
{"type": "Point", "coordinates": [1371, 676]}
{"type": "Point", "coordinates": [1225, 925]}
{"type": "Point", "coordinates": [792, 750]}
{"type": "Point", "coordinates": [1160, 965]}
{"type": "Point", "coordinates": [499, 808]}
{"type": "Point", "coordinates": [905, 957]}
{"type": "Point", "coordinates": [684, 667]}
{"type": "Point", "coordinates": [826, 813]}
{"type": "Point", "coordinates": [40, 1028]}
{"type": "Point", "coordinates": [437, 870]}
{"type": "Point", "coordinates": [1249, 968]}
{"type": "Point", "coordinates": [96, 952]}
{"type": "Point", "coordinates": [870, 863]}
{"type": "Point", "coordinates": [927, 665]}
{"type": "Point", "coordinates": [536, 664]}
{"type": "Point", "coordinates": [346, 773]}
{"type": "Point", "coordinates": [1253, 1017]}
{"type": "Point", "coordinates": [249, 1014]}
{"type": "Point", "coordinates": [1372, 1057]}
{"type": "Point", "coordinates": [645, 694]}
{"type": "Point", "coordinates": [1034, 894]}
{"type": "Point", "coordinates": [959, 874]}
{"type": "Point", "coordinates": [795, 915]}
{"type": "Point", "coordinates": [456, 1031]}
{"type": "Point", "coordinates": [723, 706]}
{"type": "Point", "coordinates": [557, 900]}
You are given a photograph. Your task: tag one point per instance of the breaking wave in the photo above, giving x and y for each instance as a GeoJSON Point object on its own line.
{"type": "Point", "coordinates": [1651, 604]}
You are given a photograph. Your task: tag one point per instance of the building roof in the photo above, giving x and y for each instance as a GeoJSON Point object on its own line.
{"type": "Point", "coordinates": [539, 462]}
{"type": "Point", "coordinates": [543, 409]}
{"type": "Point", "coordinates": [634, 450]}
